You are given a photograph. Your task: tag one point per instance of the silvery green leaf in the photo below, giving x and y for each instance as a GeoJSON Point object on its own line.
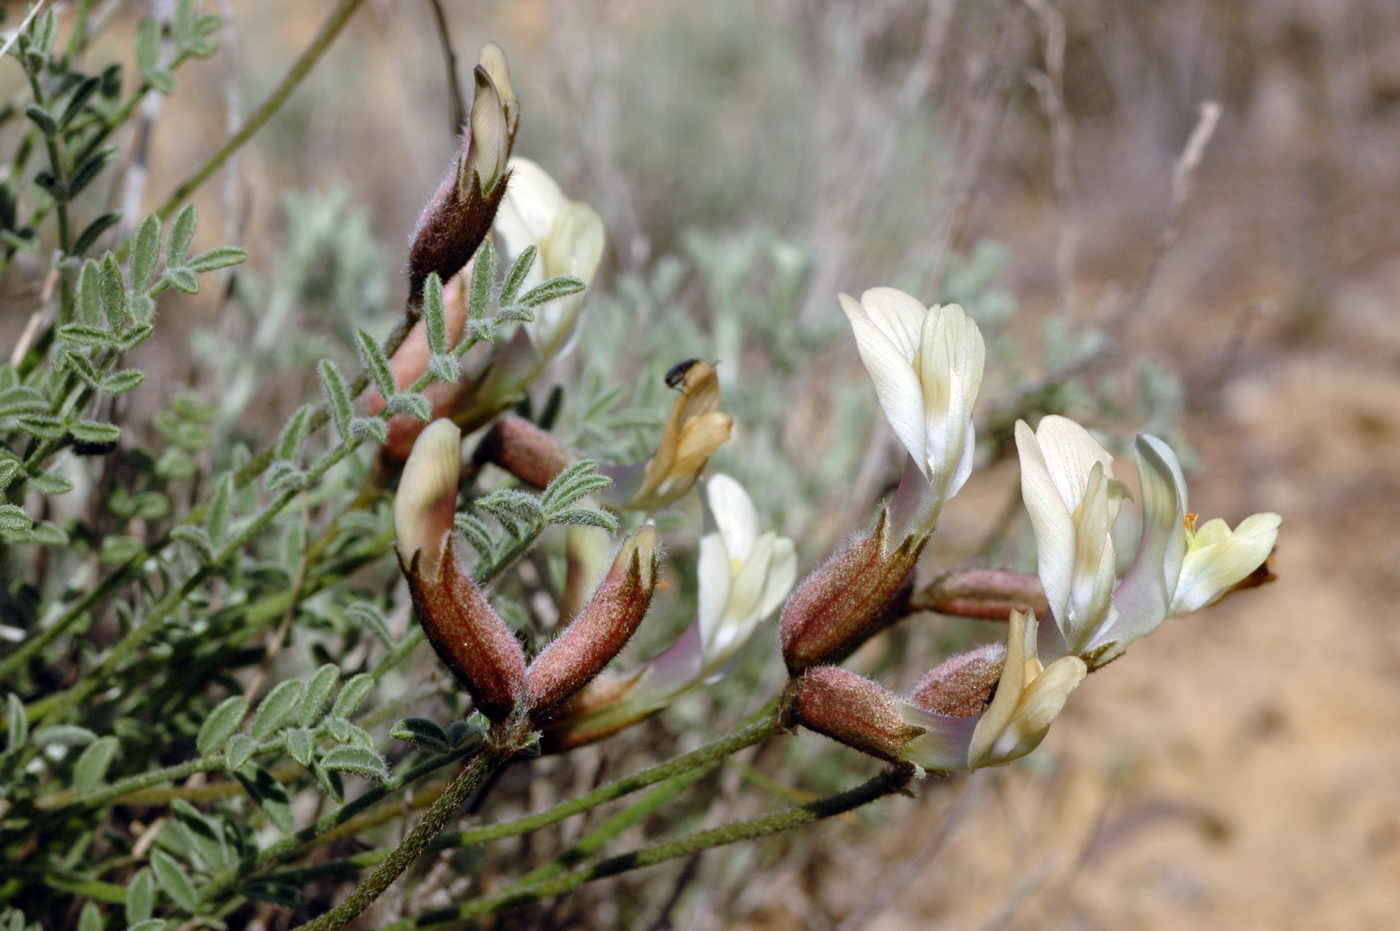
{"type": "Point", "coordinates": [63, 735]}
{"type": "Point", "coordinates": [422, 733]}
{"type": "Point", "coordinates": [585, 517]}
{"type": "Point", "coordinates": [140, 897]}
{"type": "Point", "coordinates": [337, 397]}
{"type": "Point", "coordinates": [221, 724]}
{"type": "Point", "coordinates": [376, 363]}
{"type": "Point", "coordinates": [19, 400]}
{"type": "Point", "coordinates": [182, 278]}
{"type": "Point", "coordinates": [181, 235]}
{"type": "Point", "coordinates": [519, 269]}
{"type": "Point", "coordinates": [111, 292]}
{"type": "Point", "coordinates": [551, 290]}
{"type": "Point", "coordinates": [92, 765]}
{"type": "Point", "coordinates": [318, 695]}
{"type": "Point", "coordinates": [369, 428]}
{"type": "Point", "coordinates": [367, 615]}
{"type": "Point", "coordinates": [411, 403]}
{"type": "Point", "coordinates": [18, 732]}
{"type": "Point", "coordinates": [434, 315]}
{"type": "Point", "coordinates": [483, 271]}
{"type": "Point", "coordinates": [268, 793]}
{"type": "Point", "coordinates": [274, 710]}
{"type": "Point", "coordinates": [14, 518]}
{"type": "Point", "coordinates": [95, 432]}
{"type": "Point", "coordinates": [121, 382]}
{"type": "Point", "coordinates": [174, 880]}
{"type": "Point", "coordinates": [238, 751]}
{"type": "Point", "coordinates": [351, 694]}
{"type": "Point", "coordinates": [361, 761]}
{"type": "Point", "coordinates": [145, 252]}
{"type": "Point", "coordinates": [299, 744]}
{"type": "Point", "coordinates": [218, 257]}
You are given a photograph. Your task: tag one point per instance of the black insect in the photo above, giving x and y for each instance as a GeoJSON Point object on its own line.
{"type": "Point", "coordinates": [676, 376]}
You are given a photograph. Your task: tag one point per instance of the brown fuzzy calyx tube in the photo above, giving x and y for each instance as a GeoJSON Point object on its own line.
{"type": "Point", "coordinates": [983, 593]}
{"type": "Point", "coordinates": [524, 450]}
{"type": "Point", "coordinates": [460, 213]}
{"type": "Point", "coordinates": [852, 597]}
{"type": "Point", "coordinates": [961, 686]}
{"type": "Point", "coordinates": [853, 710]}
{"type": "Point", "coordinates": [601, 629]}
{"type": "Point", "coordinates": [468, 635]}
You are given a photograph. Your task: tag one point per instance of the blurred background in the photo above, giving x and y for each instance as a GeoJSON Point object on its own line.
{"type": "Point", "coordinates": [751, 160]}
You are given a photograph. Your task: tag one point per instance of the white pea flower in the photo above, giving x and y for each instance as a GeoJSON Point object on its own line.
{"type": "Point", "coordinates": [1073, 501]}
{"type": "Point", "coordinates": [744, 576]}
{"type": "Point", "coordinates": [569, 237]}
{"type": "Point", "coordinates": [1028, 697]}
{"type": "Point", "coordinates": [926, 363]}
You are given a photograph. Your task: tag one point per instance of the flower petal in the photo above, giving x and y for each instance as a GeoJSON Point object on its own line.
{"type": "Point", "coordinates": [1147, 586]}
{"type": "Point", "coordinates": [734, 514]}
{"type": "Point", "coordinates": [997, 718]}
{"type": "Point", "coordinates": [1050, 521]}
{"type": "Point", "coordinates": [1210, 571]}
{"type": "Point", "coordinates": [888, 362]}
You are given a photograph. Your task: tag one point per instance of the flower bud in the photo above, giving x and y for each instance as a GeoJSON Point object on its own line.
{"type": "Point", "coordinates": [524, 450]}
{"type": "Point", "coordinates": [853, 710]}
{"type": "Point", "coordinates": [601, 630]}
{"type": "Point", "coordinates": [426, 501]}
{"type": "Point", "coordinates": [849, 599]}
{"type": "Point", "coordinates": [460, 214]}
{"type": "Point", "coordinates": [961, 686]}
{"type": "Point", "coordinates": [984, 593]}
{"type": "Point", "coordinates": [468, 634]}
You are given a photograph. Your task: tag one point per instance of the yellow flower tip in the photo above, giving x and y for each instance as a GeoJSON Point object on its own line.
{"type": "Point", "coordinates": [426, 500]}
{"type": "Point", "coordinates": [695, 429]}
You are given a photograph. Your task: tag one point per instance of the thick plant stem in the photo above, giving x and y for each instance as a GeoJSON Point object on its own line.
{"type": "Point", "coordinates": [458, 791]}
{"type": "Point", "coordinates": [299, 70]}
{"type": "Point", "coordinates": [886, 783]}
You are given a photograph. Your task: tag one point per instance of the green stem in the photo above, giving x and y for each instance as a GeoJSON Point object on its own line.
{"type": "Point", "coordinates": [299, 70]}
{"type": "Point", "coordinates": [698, 759]}
{"type": "Point", "coordinates": [594, 841]}
{"type": "Point", "coordinates": [886, 783]}
{"type": "Point", "coordinates": [458, 791]}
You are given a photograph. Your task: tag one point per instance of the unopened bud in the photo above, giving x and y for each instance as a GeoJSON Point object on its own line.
{"type": "Point", "coordinates": [468, 635]}
{"type": "Point", "coordinates": [853, 710]}
{"type": "Point", "coordinates": [461, 212]}
{"type": "Point", "coordinates": [493, 62]}
{"type": "Point", "coordinates": [524, 450]}
{"type": "Point", "coordinates": [984, 593]}
{"type": "Point", "coordinates": [601, 630]}
{"type": "Point", "coordinates": [426, 501]}
{"type": "Point", "coordinates": [961, 686]}
{"type": "Point", "coordinates": [849, 599]}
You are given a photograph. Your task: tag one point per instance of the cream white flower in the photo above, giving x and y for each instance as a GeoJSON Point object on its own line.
{"type": "Point", "coordinates": [426, 500]}
{"type": "Point", "coordinates": [1073, 501]}
{"type": "Point", "coordinates": [744, 574]}
{"type": "Point", "coordinates": [1029, 697]}
{"type": "Point", "coordinates": [926, 363]}
{"type": "Point", "coordinates": [1217, 558]}
{"type": "Point", "coordinates": [569, 237]}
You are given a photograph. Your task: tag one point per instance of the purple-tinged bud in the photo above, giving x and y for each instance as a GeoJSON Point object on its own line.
{"type": "Point", "coordinates": [426, 501]}
{"type": "Point", "coordinates": [461, 212]}
{"type": "Point", "coordinates": [524, 450]}
{"type": "Point", "coordinates": [961, 686]}
{"type": "Point", "coordinates": [985, 593]}
{"type": "Point", "coordinates": [469, 636]}
{"type": "Point", "coordinates": [601, 630]}
{"type": "Point", "coordinates": [849, 599]}
{"type": "Point", "coordinates": [853, 710]}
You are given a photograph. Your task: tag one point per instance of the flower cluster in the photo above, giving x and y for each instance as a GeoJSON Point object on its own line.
{"type": "Point", "coordinates": [994, 705]}
{"type": "Point", "coordinates": [1095, 591]}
